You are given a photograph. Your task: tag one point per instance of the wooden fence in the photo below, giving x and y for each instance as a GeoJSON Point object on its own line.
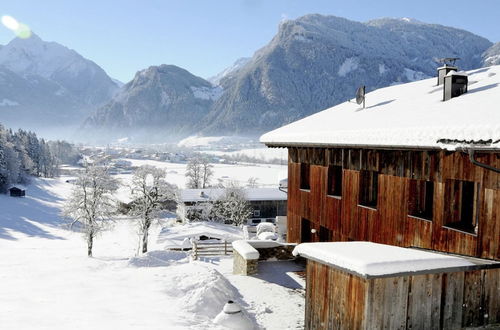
{"type": "Point", "coordinates": [210, 249]}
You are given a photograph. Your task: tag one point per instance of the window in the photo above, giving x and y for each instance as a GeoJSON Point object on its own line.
{"type": "Point", "coordinates": [421, 198]}
{"type": "Point", "coordinates": [305, 177]}
{"type": "Point", "coordinates": [256, 213]}
{"type": "Point", "coordinates": [368, 187]}
{"type": "Point", "coordinates": [305, 231]}
{"type": "Point", "coordinates": [335, 181]}
{"type": "Point", "coordinates": [256, 221]}
{"type": "Point", "coordinates": [325, 235]}
{"type": "Point", "coordinates": [460, 203]}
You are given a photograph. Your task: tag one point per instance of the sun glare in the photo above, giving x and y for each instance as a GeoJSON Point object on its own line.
{"type": "Point", "coordinates": [10, 22]}
{"type": "Point", "coordinates": [21, 30]}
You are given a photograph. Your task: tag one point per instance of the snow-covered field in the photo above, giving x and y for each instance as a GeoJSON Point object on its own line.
{"type": "Point", "coordinates": [47, 282]}
{"type": "Point", "coordinates": [258, 153]}
{"type": "Point", "coordinates": [266, 174]}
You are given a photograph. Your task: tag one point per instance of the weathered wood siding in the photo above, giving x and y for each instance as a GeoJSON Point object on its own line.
{"type": "Point", "coordinates": [389, 222]}
{"type": "Point", "coordinates": [336, 299]}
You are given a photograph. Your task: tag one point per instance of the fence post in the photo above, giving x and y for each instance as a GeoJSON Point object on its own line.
{"type": "Point", "coordinates": [195, 250]}
{"type": "Point", "coordinates": [225, 247]}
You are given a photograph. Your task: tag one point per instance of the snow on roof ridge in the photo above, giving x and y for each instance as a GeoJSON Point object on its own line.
{"type": "Point", "coordinates": [405, 116]}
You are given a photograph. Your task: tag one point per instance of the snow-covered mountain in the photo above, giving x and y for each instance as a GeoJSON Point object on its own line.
{"type": "Point", "coordinates": [316, 61]}
{"type": "Point", "coordinates": [160, 100]}
{"type": "Point", "coordinates": [46, 82]}
{"type": "Point", "coordinates": [492, 55]}
{"type": "Point", "coordinates": [229, 71]}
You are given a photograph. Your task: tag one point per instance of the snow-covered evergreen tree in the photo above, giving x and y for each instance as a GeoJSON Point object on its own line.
{"type": "Point", "coordinates": [23, 154]}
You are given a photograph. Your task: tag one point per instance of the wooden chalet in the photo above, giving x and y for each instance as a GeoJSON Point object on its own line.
{"type": "Point", "coordinates": [408, 170]}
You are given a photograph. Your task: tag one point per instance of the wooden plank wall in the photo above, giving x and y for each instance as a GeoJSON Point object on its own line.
{"type": "Point", "coordinates": [336, 299]}
{"type": "Point", "coordinates": [389, 222]}
{"type": "Point", "coordinates": [344, 308]}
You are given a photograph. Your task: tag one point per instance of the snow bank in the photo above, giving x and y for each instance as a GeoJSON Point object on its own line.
{"type": "Point", "coordinates": [204, 292]}
{"type": "Point", "coordinates": [373, 259]}
{"type": "Point", "coordinates": [159, 259]}
{"type": "Point", "coordinates": [244, 249]}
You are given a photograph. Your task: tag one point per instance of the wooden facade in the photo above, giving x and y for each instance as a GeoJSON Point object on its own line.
{"type": "Point", "coordinates": [377, 200]}
{"type": "Point", "coordinates": [336, 299]}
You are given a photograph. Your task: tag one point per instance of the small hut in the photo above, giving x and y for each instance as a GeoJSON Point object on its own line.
{"type": "Point", "coordinates": [365, 285]}
{"type": "Point", "coordinates": [17, 192]}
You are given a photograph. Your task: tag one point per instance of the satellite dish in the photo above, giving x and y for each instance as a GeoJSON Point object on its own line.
{"type": "Point", "coordinates": [360, 95]}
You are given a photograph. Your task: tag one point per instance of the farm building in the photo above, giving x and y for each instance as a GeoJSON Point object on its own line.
{"type": "Point", "coordinates": [417, 167]}
{"type": "Point", "coordinates": [266, 203]}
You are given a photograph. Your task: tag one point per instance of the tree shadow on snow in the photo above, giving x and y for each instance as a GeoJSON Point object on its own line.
{"type": "Point", "coordinates": [22, 214]}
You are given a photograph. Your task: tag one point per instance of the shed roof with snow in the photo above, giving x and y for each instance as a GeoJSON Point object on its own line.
{"type": "Point", "coordinates": [410, 115]}
{"type": "Point", "coordinates": [370, 259]}
{"type": "Point", "coordinates": [251, 194]}
{"type": "Point", "coordinates": [174, 236]}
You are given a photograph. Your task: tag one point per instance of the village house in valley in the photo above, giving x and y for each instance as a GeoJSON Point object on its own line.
{"type": "Point", "coordinates": [266, 203]}
{"type": "Point", "coordinates": [417, 167]}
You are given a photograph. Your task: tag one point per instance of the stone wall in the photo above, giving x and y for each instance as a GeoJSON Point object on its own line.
{"type": "Point", "coordinates": [283, 252]}
{"type": "Point", "coordinates": [241, 266]}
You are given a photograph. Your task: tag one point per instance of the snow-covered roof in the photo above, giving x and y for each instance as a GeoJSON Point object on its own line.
{"type": "Point", "coordinates": [409, 115]}
{"type": "Point", "coordinates": [251, 194]}
{"type": "Point", "coordinates": [372, 259]}
{"type": "Point", "coordinates": [174, 236]}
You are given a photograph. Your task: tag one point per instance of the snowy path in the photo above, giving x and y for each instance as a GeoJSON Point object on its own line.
{"type": "Point", "coordinates": [47, 282]}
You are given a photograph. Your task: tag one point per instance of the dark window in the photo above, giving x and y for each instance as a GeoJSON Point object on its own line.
{"type": "Point", "coordinates": [305, 231]}
{"type": "Point", "coordinates": [335, 180]}
{"type": "Point", "coordinates": [461, 201]}
{"type": "Point", "coordinates": [325, 234]}
{"type": "Point", "coordinates": [304, 176]}
{"type": "Point", "coordinates": [368, 187]}
{"type": "Point", "coordinates": [421, 197]}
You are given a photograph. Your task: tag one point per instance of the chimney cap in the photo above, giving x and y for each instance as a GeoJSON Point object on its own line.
{"type": "Point", "coordinates": [460, 73]}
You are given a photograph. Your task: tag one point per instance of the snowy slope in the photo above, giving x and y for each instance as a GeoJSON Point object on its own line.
{"type": "Point", "coordinates": [409, 115]}
{"type": "Point", "coordinates": [47, 282]}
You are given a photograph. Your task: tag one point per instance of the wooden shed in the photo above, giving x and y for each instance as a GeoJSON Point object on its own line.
{"type": "Point", "coordinates": [17, 192]}
{"type": "Point", "coordinates": [364, 285]}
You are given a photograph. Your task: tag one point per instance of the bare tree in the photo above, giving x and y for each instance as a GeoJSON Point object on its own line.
{"type": "Point", "coordinates": [252, 182]}
{"type": "Point", "coordinates": [207, 172]}
{"type": "Point", "coordinates": [149, 189]}
{"type": "Point", "coordinates": [232, 206]}
{"type": "Point", "coordinates": [90, 203]}
{"type": "Point", "coordinates": [193, 173]}
{"type": "Point", "coordinates": [199, 172]}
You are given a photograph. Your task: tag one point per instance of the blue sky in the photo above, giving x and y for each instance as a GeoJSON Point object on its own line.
{"type": "Point", "coordinates": [205, 36]}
